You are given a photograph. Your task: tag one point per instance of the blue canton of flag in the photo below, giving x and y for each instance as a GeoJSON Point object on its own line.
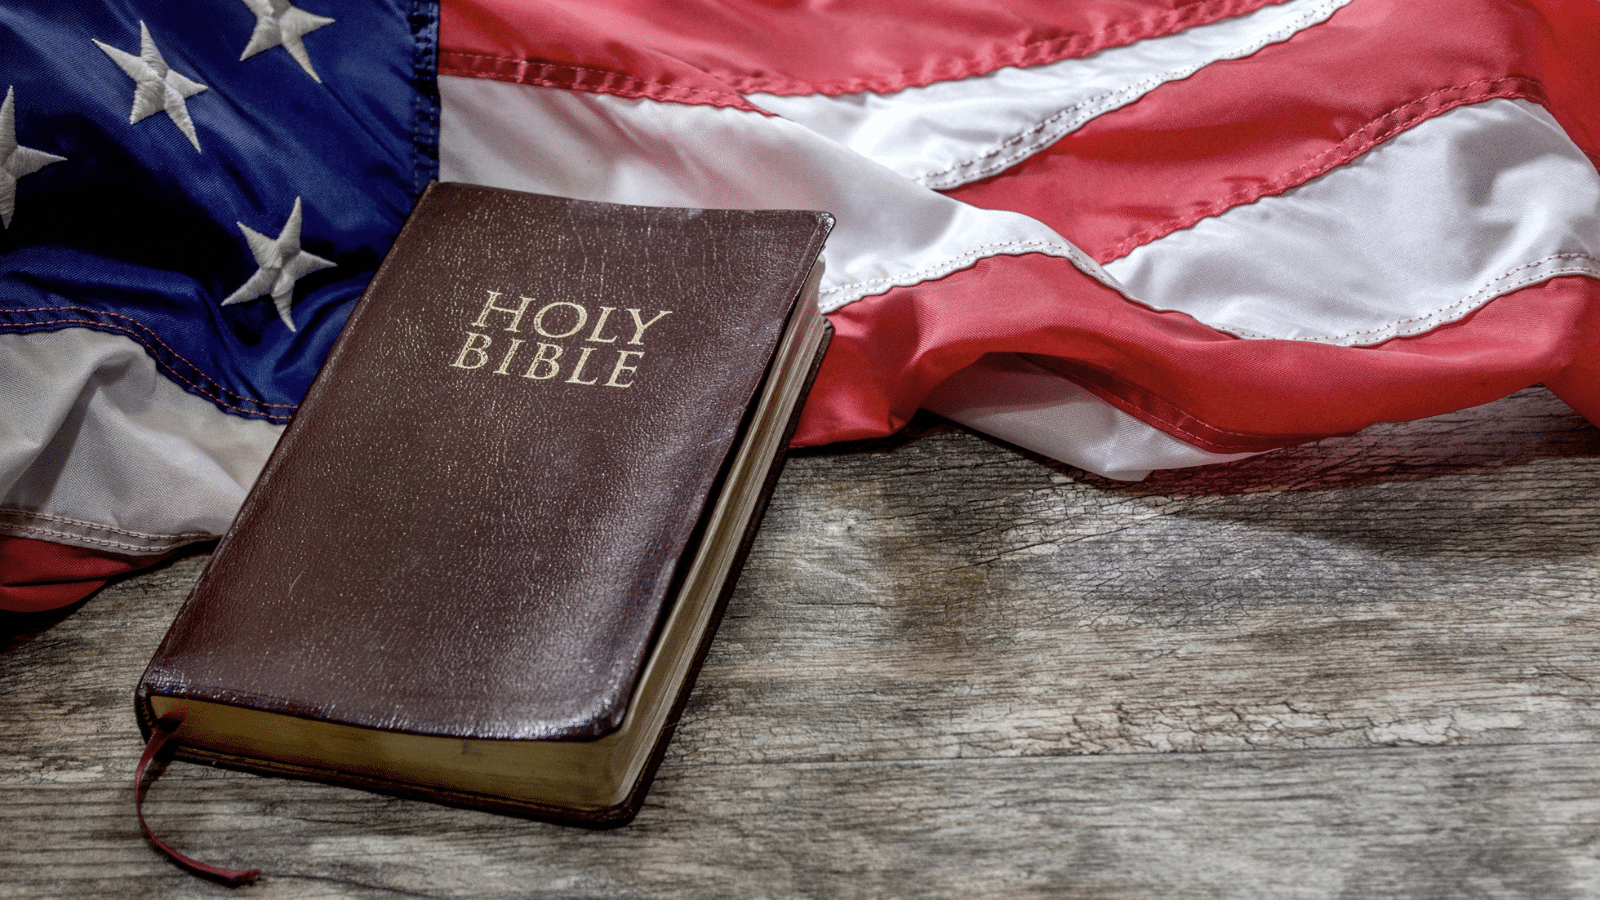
{"type": "Point", "coordinates": [209, 184]}
{"type": "Point", "coordinates": [195, 159]}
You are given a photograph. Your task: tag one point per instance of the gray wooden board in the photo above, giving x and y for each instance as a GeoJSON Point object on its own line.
{"type": "Point", "coordinates": [1368, 667]}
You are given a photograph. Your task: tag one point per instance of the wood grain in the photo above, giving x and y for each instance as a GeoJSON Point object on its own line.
{"type": "Point", "coordinates": [1368, 667]}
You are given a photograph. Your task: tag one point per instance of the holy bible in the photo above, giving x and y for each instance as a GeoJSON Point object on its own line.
{"type": "Point", "coordinates": [484, 561]}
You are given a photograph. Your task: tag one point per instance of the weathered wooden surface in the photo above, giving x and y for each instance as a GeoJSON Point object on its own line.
{"type": "Point", "coordinates": [1360, 669]}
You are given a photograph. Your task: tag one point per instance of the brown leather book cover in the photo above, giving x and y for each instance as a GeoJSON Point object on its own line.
{"type": "Point", "coordinates": [484, 560]}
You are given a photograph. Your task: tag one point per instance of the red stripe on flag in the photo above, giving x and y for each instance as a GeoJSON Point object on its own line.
{"type": "Point", "coordinates": [707, 52]}
{"type": "Point", "coordinates": [1219, 393]}
{"type": "Point", "coordinates": [39, 575]}
{"type": "Point", "coordinates": [1569, 50]}
{"type": "Point", "coordinates": [545, 45]}
{"type": "Point", "coordinates": [1239, 130]}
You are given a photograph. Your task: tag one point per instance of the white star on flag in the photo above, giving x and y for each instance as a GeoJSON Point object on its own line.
{"type": "Point", "coordinates": [156, 87]}
{"type": "Point", "coordinates": [281, 263]}
{"type": "Point", "coordinates": [15, 159]}
{"type": "Point", "coordinates": [281, 24]}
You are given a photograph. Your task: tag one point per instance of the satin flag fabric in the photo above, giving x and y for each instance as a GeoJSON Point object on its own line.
{"type": "Point", "coordinates": [1128, 234]}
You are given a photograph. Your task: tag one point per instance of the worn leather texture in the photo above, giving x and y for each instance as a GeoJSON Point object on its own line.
{"type": "Point", "coordinates": [465, 532]}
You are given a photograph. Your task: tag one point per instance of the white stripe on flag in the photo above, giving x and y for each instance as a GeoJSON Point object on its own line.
{"type": "Point", "coordinates": [130, 463]}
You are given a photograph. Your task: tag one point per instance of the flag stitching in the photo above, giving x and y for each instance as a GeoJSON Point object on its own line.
{"type": "Point", "coordinates": [1039, 51]}
{"type": "Point", "coordinates": [158, 348]}
{"type": "Point", "coordinates": [424, 17]}
{"type": "Point", "coordinates": [70, 537]}
{"type": "Point", "coordinates": [845, 294]}
{"type": "Point", "coordinates": [1493, 288]}
{"type": "Point", "coordinates": [22, 527]}
{"type": "Point", "coordinates": [1054, 127]}
{"type": "Point", "coordinates": [600, 81]}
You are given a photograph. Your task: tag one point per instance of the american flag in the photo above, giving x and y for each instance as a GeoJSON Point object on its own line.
{"type": "Point", "coordinates": [1127, 234]}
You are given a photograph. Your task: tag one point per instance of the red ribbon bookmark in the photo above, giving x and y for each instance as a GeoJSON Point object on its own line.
{"type": "Point", "coordinates": [160, 734]}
